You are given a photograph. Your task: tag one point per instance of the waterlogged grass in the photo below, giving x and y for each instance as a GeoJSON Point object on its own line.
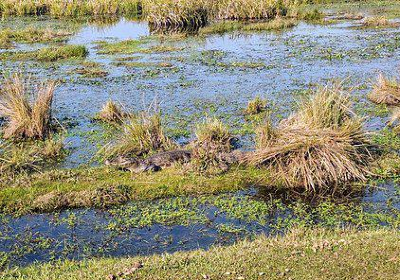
{"type": "Point", "coordinates": [49, 54]}
{"type": "Point", "coordinates": [300, 254]}
{"type": "Point", "coordinates": [126, 47]}
{"type": "Point", "coordinates": [99, 187]}
{"type": "Point", "coordinates": [133, 46]}
{"type": "Point", "coordinates": [31, 35]}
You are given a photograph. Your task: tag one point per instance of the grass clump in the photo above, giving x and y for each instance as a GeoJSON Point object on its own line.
{"type": "Point", "coordinates": [125, 47]}
{"type": "Point", "coordinates": [23, 119]}
{"type": "Point", "coordinates": [31, 35]}
{"type": "Point", "coordinates": [91, 70]}
{"type": "Point", "coordinates": [385, 91]}
{"type": "Point", "coordinates": [213, 139]}
{"type": "Point", "coordinates": [23, 157]}
{"type": "Point", "coordinates": [60, 52]}
{"type": "Point", "coordinates": [140, 135]}
{"type": "Point", "coordinates": [49, 54]}
{"type": "Point", "coordinates": [256, 106]}
{"type": "Point", "coordinates": [111, 113]}
{"type": "Point", "coordinates": [378, 22]}
{"type": "Point", "coordinates": [180, 13]}
{"type": "Point", "coordinates": [320, 149]}
{"type": "Point", "coordinates": [248, 9]}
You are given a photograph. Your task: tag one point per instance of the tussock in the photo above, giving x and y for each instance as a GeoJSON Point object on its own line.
{"type": "Point", "coordinates": [385, 91]}
{"type": "Point", "coordinates": [111, 113]}
{"type": "Point", "coordinates": [378, 22]}
{"type": "Point", "coordinates": [320, 148]}
{"type": "Point", "coordinates": [140, 135]}
{"type": "Point", "coordinates": [213, 141]}
{"type": "Point", "coordinates": [23, 119]}
{"type": "Point", "coordinates": [256, 106]}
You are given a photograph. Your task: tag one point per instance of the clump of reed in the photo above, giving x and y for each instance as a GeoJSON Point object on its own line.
{"type": "Point", "coordinates": [59, 52]}
{"type": "Point", "coordinates": [70, 8]}
{"type": "Point", "coordinates": [321, 148]}
{"type": "Point", "coordinates": [247, 9]}
{"type": "Point", "coordinates": [256, 106]}
{"type": "Point", "coordinates": [181, 13]}
{"type": "Point", "coordinates": [25, 119]}
{"type": "Point", "coordinates": [213, 140]}
{"type": "Point", "coordinates": [111, 113]}
{"type": "Point", "coordinates": [385, 91]}
{"type": "Point", "coordinates": [140, 135]}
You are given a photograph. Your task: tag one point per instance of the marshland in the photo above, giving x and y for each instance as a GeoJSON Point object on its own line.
{"type": "Point", "coordinates": [235, 139]}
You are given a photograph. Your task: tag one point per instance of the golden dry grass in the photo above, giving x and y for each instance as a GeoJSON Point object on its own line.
{"type": "Point", "coordinates": [111, 113]}
{"type": "Point", "coordinates": [26, 119]}
{"type": "Point", "coordinates": [321, 148]}
{"type": "Point", "coordinates": [385, 91]}
{"type": "Point", "coordinates": [140, 135]}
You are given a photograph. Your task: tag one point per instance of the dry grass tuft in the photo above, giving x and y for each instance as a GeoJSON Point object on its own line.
{"type": "Point", "coordinates": [380, 21]}
{"type": "Point", "coordinates": [26, 120]}
{"type": "Point", "coordinates": [111, 113]}
{"type": "Point", "coordinates": [320, 148]}
{"type": "Point", "coordinates": [213, 141]}
{"type": "Point", "coordinates": [256, 106]}
{"type": "Point", "coordinates": [140, 135]}
{"type": "Point", "coordinates": [385, 91]}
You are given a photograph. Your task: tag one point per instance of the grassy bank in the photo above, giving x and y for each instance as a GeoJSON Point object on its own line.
{"type": "Point", "coordinates": [100, 187]}
{"type": "Point", "coordinates": [300, 254]}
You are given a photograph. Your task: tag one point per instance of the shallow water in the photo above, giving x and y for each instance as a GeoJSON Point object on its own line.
{"type": "Point", "coordinates": [203, 81]}
{"type": "Point", "coordinates": [206, 79]}
{"type": "Point", "coordinates": [177, 224]}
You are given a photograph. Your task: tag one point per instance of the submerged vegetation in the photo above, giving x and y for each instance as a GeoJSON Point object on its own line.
{"type": "Point", "coordinates": [229, 26]}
